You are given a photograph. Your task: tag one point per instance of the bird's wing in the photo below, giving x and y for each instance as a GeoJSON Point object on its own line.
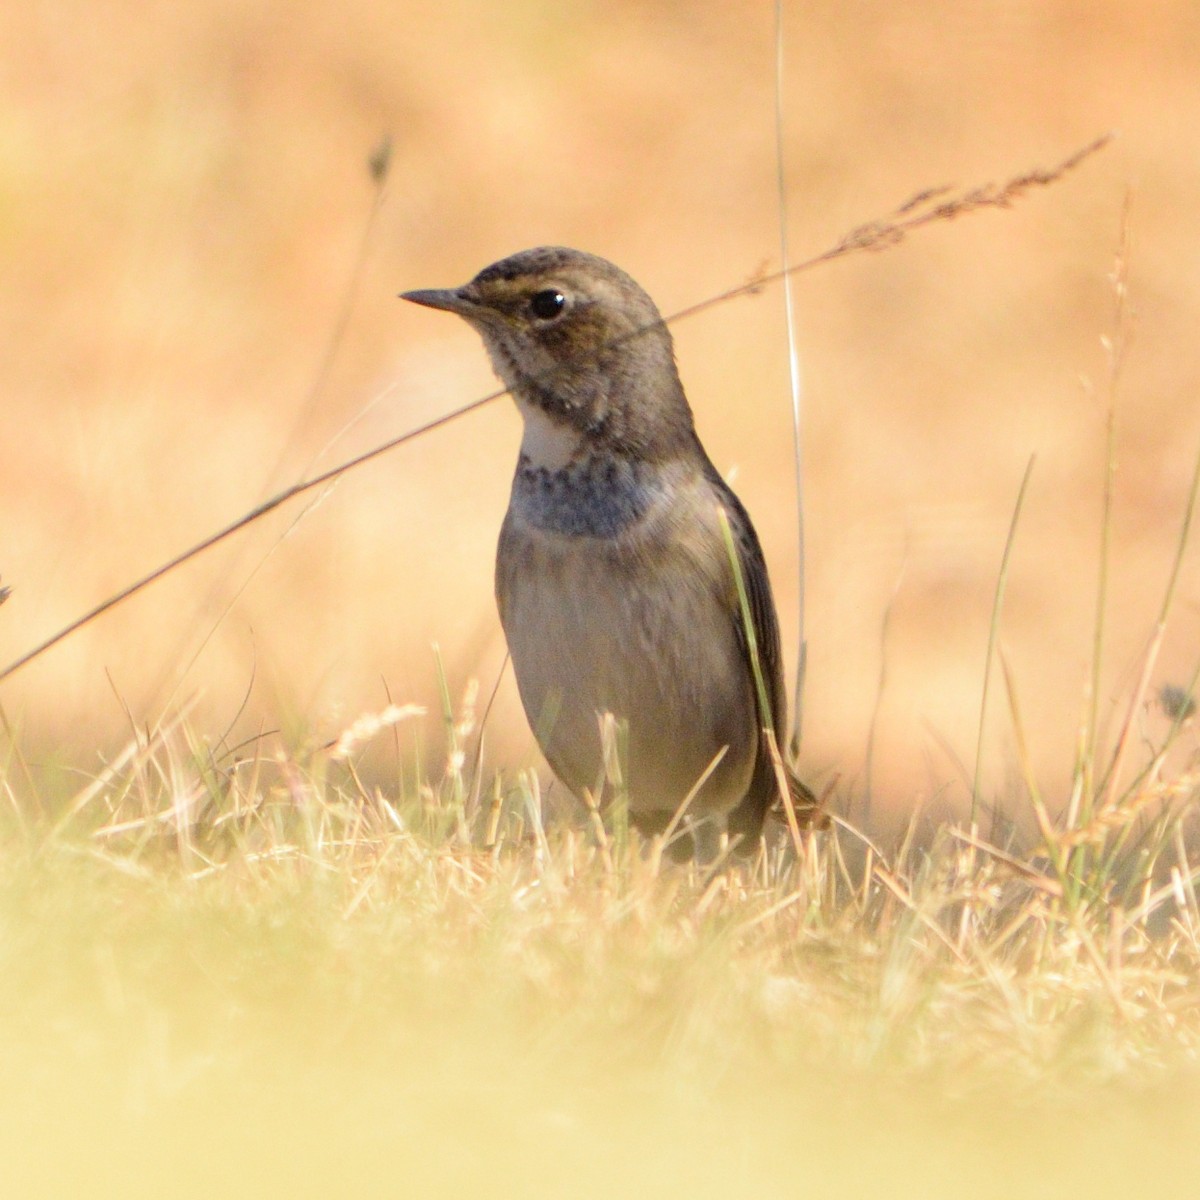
{"type": "Point", "coordinates": [747, 818]}
{"type": "Point", "coordinates": [765, 624]}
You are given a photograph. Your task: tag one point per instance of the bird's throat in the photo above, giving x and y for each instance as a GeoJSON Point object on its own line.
{"type": "Point", "coordinates": [548, 444]}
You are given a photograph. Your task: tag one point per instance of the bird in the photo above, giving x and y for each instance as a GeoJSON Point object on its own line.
{"type": "Point", "coordinates": [615, 581]}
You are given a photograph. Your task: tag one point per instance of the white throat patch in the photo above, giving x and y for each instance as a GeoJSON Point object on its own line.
{"type": "Point", "coordinates": [547, 443]}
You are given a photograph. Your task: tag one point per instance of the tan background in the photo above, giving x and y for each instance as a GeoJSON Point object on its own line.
{"type": "Point", "coordinates": [184, 192]}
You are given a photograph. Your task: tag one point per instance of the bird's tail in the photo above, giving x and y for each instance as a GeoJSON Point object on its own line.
{"type": "Point", "coordinates": [810, 811]}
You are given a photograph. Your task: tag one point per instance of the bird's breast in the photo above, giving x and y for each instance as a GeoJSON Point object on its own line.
{"type": "Point", "coordinates": [618, 599]}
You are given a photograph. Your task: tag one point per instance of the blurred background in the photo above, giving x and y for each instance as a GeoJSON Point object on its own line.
{"type": "Point", "coordinates": [198, 302]}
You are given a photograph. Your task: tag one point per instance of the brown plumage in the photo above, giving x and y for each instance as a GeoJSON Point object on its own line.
{"type": "Point", "coordinates": [613, 579]}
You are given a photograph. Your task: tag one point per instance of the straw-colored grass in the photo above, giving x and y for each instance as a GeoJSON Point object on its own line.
{"type": "Point", "coordinates": [250, 973]}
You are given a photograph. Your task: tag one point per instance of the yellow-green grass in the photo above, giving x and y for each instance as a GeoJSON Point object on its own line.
{"type": "Point", "coordinates": [253, 974]}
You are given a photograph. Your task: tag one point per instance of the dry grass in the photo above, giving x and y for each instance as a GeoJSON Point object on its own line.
{"type": "Point", "coordinates": [332, 990]}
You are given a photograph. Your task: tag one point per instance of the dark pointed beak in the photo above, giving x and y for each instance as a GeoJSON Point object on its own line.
{"type": "Point", "coordinates": [453, 300]}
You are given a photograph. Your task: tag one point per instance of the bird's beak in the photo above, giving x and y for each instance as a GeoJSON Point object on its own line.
{"type": "Point", "coordinates": [455, 300]}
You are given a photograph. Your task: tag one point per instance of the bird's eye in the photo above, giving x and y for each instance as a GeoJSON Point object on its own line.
{"type": "Point", "coordinates": [548, 304]}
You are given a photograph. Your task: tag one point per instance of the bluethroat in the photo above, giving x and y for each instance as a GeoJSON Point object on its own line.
{"type": "Point", "coordinates": [614, 578]}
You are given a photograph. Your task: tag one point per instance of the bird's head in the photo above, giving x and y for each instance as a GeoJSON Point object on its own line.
{"type": "Point", "coordinates": [574, 337]}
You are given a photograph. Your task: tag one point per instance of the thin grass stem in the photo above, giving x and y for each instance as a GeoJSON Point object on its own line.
{"type": "Point", "coordinates": [994, 633]}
